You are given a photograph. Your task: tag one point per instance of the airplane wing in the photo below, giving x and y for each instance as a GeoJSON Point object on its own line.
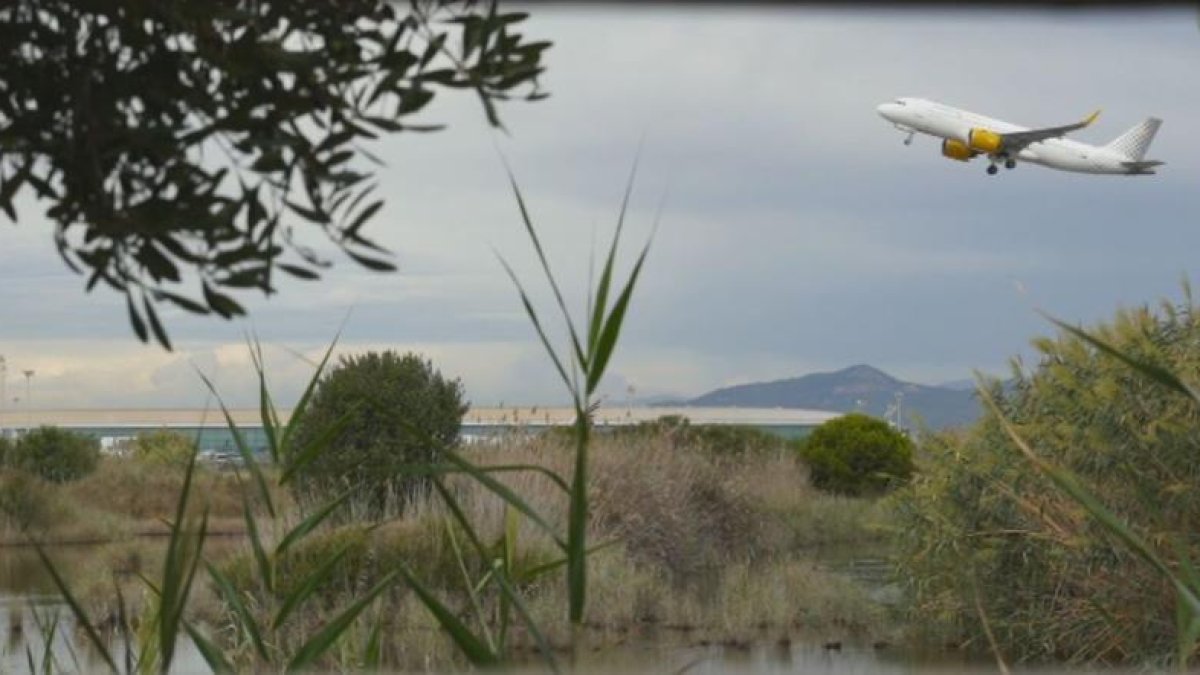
{"type": "Point", "coordinates": [1017, 140]}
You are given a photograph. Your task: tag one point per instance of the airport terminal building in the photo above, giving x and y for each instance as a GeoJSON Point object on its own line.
{"type": "Point", "coordinates": [210, 428]}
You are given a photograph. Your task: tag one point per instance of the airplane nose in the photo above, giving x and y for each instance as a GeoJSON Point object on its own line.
{"type": "Point", "coordinates": [886, 111]}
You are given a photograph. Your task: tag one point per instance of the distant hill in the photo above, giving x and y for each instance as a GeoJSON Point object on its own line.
{"type": "Point", "coordinates": [861, 387]}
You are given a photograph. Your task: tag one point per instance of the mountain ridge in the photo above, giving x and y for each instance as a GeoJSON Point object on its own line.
{"type": "Point", "coordinates": [861, 387]}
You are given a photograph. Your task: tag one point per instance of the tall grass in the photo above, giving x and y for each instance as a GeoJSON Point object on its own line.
{"type": "Point", "coordinates": [262, 639]}
{"type": "Point", "coordinates": [1062, 525]}
{"type": "Point", "coordinates": [581, 366]}
{"type": "Point", "coordinates": [1181, 574]}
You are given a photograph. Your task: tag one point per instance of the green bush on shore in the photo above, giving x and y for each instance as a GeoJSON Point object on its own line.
{"type": "Point", "coordinates": [857, 455]}
{"type": "Point", "coordinates": [400, 410]}
{"type": "Point", "coordinates": [162, 447]}
{"type": "Point", "coordinates": [55, 454]}
{"type": "Point", "coordinates": [25, 503]}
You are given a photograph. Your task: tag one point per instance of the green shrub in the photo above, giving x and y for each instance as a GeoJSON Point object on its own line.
{"type": "Point", "coordinates": [56, 455]}
{"type": "Point", "coordinates": [857, 455]}
{"type": "Point", "coordinates": [162, 447]}
{"type": "Point", "coordinates": [401, 412]}
{"type": "Point", "coordinates": [24, 503]}
{"type": "Point", "coordinates": [982, 527]}
{"type": "Point", "coordinates": [5, 448]}
{"type": "Point", "coordinates": [731, 440]}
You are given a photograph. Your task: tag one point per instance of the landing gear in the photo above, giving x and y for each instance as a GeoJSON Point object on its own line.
{"type": "Point", "coordinates": [909, 137]}
{"type": "Point", "coordinates": [992, 169]}
{"type": "Point", "coordinates": [1010, 163]}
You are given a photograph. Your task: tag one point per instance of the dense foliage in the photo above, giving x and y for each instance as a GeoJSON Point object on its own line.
{"type": "Point", "coordinates": [857, 455]}
{"type": "Point", "coordinates": [981, 525]}
{"type": "Point", "coordinates": [179, 143]}
{"type": "Point", "coordinates": [55, 454]}
{"type": "Point", "coordinates": [398, 411]}
{"type": "Point", "coordinates": [162, 447]}
{"type": "Point", "coordinates": [732, 440]}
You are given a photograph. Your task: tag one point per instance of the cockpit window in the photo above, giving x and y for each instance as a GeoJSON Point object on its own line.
{"type": "Point", "coordinates": [900, 101]}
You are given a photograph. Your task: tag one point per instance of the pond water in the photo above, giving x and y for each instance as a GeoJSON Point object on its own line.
{"type": "Point", "coordinates": [27, 593]}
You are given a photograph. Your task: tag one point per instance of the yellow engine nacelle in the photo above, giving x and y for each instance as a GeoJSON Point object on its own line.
{"type": "Point", "coordinates": [984, 140]}
{"type": "Point", "coordinates": [956, 149]}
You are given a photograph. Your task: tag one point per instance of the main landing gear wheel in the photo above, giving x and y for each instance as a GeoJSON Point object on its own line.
{"type": "Point", "coordinates": [908, 139]}
{"type": "Point", "coordinates": [1010, 163]}
{"type": "Point", "coordinates": [992, 169]}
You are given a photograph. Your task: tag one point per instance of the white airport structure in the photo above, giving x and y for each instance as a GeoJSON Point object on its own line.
{"type": "Point", "coordinates": [115, 425]}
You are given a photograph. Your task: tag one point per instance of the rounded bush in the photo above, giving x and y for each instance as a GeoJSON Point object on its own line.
{"type": "Point", "coordinates": [401, 412]}
{"type": "Point", "coordinates": [55, 454]}
{"type": "Point", "coordinates": [24, 501]}
{"type": "Point", "coordinates": [162, 447]}
{"type": "Point", "coordinates": [857, 455]}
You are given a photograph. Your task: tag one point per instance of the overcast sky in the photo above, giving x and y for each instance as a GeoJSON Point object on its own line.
{"type": "Point", "coordinates": [799, 234]}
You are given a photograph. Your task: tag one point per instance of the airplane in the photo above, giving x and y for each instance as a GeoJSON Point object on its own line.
{"type": "Point", "coordinates": [966, 135]}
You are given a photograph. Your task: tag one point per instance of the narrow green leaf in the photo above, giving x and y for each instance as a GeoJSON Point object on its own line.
{"type": "Point", "coordinates": [266, 572]}
{"type": "Point", "coordinates": [1154, 372]}
{"type": "Point", "coordinates": [310, 523]}
{"type": "Point", "coordinates": [373, 651]}
{"type": "Point", "coordinates": [266, 408]}
{"type": "Point", "coordinates": [576, 345]}
{"type": "Point", "coordinates": [308, 586]}
{"type": "Point", "coordinates": [461, 562]}
{"type": "Point", "coordinates": [299, 412]}
{"type": "Point", "coordinates": [211, 654]}
{"type": "Point", "coordinates": [601, 302]}
{"type": "Point", "coordinates": [363, 216]}
{"type": "Point", "coordinates": [607, 342]}
{"type": "Point", "coordinates": [504, 492]}
{"type": "Point", "coordinates": [1067, 482]}
{"type": "Point", "coordinates": [515, 599]}
{"type": "Point", "coordinates": [537, 325]}
{"type": "Point", "coordinates": [298, 271]}
{"type": "Point", "coordinates": [243, 449]}
{"type": "Point", "coordinates": [135, 319]}
{"type": "Point", "coordinates": [246, 620]}
{"type": "Point", "coordinates": [470, 644]}
{"type": "Point", "coordinates": [178, 566]}
{"type": "Point", "coordinates": [81, 617]}
{"type": "Point", "coordinates": [155, 325]}
{"type": "Point", "coordinates": [538, 570]}
{"type": "Point", "coordinates": [312, 650]}
{"type": "Point", "coordinates": [296, 461]}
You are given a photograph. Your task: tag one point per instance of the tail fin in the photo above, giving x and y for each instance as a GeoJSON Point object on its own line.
{"type": "Point", "coordinates": [1135, 142]}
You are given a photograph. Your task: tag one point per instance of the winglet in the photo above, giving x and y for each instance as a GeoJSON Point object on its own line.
{"type": "Point", "coordinates": [1091, 118]}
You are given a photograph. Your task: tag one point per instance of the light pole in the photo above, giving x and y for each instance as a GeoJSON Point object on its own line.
{"type": "Point", "coordinates": [28, 400]}
{"type": "Point", "coordinates": [3, 392]}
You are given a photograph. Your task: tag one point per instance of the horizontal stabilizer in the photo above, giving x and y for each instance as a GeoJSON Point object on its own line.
{"type": "Point", "coordinates": [1142, 167]}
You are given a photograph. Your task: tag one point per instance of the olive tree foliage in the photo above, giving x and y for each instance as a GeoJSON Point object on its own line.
{"type": "Point", "coordinates": [394, 411]}
{"type": "Point", "coordinates": [183, 146]}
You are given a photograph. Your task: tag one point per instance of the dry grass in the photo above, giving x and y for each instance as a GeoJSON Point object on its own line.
{"type": "Point", "coordinates": [122, 498]}
{"type": "Point", "coordinates": [707, 548]}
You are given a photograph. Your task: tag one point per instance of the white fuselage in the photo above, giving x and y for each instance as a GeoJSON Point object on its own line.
{"type": "Point", "coordinates": [943, 121]}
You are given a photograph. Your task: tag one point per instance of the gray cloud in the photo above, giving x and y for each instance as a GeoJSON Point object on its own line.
{"type": "Point", "coordinates": [798, 234]}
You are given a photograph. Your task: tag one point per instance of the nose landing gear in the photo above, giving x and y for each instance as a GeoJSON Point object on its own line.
{"type": "Point", "coordinates": [909, 137]}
